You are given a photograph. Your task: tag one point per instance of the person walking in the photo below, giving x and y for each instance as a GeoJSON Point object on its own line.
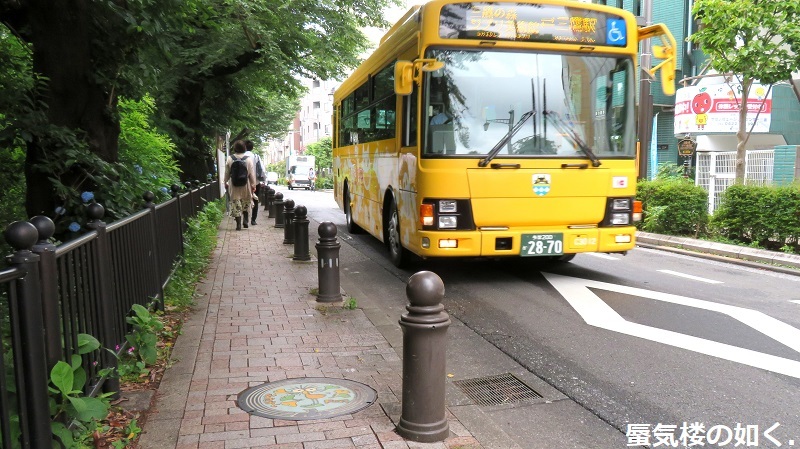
{"type": "Point", "coordinates": [240, 182]}
{"type": "Point", "coordinates": [261, 178]}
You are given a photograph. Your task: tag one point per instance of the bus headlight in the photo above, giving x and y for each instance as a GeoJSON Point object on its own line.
{"type": "Point", "coordinates": [447, 206]}
{"type": "Point", "coordinates": [621, 204]}
{"type": "Point", "coordinates": [620, 219]}
{"type": "Point", "coordinates": [448, 222]}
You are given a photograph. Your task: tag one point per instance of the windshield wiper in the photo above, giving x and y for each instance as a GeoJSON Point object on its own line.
{"type": "Point", "coordinates": [564, 129]}
{"type": "Point", "coordinates": [499, 145]}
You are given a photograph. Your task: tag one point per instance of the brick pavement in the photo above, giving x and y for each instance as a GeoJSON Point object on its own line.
{"type": "Point", "coordinates": [256, 321]}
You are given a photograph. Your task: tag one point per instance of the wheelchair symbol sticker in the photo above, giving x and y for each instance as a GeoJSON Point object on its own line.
{"type": "Point", "coordinates": [616, 33]}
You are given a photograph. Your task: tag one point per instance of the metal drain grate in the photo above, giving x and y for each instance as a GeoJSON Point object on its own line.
{"type": "Point", "coordinates": [496, 390]}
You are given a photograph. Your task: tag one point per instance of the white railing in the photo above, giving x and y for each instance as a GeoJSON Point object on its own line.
{"type": "Point", "coordinates": [716, 171]}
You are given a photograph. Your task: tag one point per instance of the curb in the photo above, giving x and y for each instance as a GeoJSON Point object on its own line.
{"type": "Point", "coordinates": [741, 255]}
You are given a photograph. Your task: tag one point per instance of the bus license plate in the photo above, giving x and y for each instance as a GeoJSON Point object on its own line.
{"type": "Point", "coordinates": [542, 245]}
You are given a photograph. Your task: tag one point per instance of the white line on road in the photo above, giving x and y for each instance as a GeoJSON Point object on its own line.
{"type": "Point", "coordinates": [603, 256]}
{"type": "Point", "coordinates": [689, 276]}
{"type": "Point", "coordinates": [796, 301]}
{"type": "Point", "coordinates": [596, 312]}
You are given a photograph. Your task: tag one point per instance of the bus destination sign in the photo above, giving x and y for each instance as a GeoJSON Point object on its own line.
{"type": "Point", "coordinates": [531, 22]}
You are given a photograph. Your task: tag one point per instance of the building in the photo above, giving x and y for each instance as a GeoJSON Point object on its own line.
{"type": "Point", "coordinates": [314, 120]}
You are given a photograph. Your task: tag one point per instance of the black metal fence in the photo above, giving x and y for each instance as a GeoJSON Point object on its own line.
{"type": "Point", "coordinates": [51, 294]}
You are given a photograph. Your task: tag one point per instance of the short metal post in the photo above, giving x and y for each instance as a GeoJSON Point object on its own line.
{"type": "Point", "coordinates": [269, 197]}
{"type": "Point", "coordinates": [107, 302]}
{"type": "Point", "coordinates": [288, 221]}
{"type": "Point", "coordinates": [22, 235]}
{"type": "Point", "coordinates": [301, 234]}
{"type": "Point", "coordinates": [277, 207]}
{"type": "Point", "coordinates": [328, 268]}
{"type": "Point", "coordinates": [424, 354]}
{"type": "Point", "coordinates": [49, 285]}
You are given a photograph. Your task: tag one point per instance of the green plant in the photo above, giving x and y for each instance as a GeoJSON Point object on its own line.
{"type": "Point", "coordinates": [199, 241]}
{"type": "Point", "coordinates": [350, 303]}
{"type": "Point", "coordinates": [74, 414]}
{"type": "Point", "coordinates": [144, 336]}
{"type": "Point", "coordinates": [765, 215]}
{"type": "Point", "coordinates": [673, 206]}
{"type": "Point", "coordinates": [132, 430]}
{"type": "Point", "coordinates": [314, 291]}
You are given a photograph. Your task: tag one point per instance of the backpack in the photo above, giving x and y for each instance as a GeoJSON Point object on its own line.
{"type": "Point", "coordinates": [239, 171]}
{"type": "Point", "coordinates": [260, 176]}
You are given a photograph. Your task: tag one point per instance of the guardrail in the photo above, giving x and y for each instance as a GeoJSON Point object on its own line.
{"type": "Point", "coordinates": [51, 294]}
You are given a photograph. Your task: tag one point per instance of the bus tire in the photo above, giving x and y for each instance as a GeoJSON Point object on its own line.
{"type": "Point", "coordinates": [352, 227]}
{"type": "Point", "coordinates": [565, 258]}
{"type": "Point", "coordinates": [397, 254]}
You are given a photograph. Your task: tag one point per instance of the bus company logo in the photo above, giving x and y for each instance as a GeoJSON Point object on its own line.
{"type": "Point", "coordinates": [541, 184]}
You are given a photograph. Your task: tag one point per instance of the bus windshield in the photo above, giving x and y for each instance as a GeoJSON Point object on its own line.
{"type": "Point", "coordinates": [581, 105]}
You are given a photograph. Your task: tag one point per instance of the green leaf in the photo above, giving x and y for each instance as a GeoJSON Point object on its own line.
{"type": "Point", "coordinates": [63, 434]}
{"type": "Point", "coordinates": [87, 343]}
{"type": "Point", "coordinates": [88, 409]}
{"type": "Point", "coordinates": [61, 376]}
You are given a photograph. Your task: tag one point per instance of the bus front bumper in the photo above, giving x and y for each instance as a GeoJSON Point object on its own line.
{"type": "Point", "coordinates": [517, 242]}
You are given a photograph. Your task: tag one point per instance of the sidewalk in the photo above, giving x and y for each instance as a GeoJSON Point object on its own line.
{"type": "Point", "coordinates": [256, 322]}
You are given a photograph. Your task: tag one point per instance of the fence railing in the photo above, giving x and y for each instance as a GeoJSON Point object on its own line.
{"type": "Point", "coordinates": [51, 294]}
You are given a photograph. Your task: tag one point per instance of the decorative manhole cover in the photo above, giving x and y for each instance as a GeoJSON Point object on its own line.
{"type": "Point", "coordinates": [306, 398]}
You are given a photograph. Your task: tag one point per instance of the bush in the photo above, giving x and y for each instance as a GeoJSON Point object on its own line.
{"type": "Point", "coordinates": [765, 216]}
{"type": "Point", "coordinates": [673, 206]}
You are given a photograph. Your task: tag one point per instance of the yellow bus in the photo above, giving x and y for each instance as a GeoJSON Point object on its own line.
{"type": "Point", "coordinates": [492, 129]}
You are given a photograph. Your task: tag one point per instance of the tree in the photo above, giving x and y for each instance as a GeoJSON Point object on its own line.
{"type": "Point", "coordinates": [209, 65]}
{"type": "Point", "coordinates": [322, 150]}
{"type": "Point", "coordinates": [750, 40]}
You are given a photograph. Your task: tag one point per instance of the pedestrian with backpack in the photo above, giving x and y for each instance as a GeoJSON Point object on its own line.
{"type": "Point", "coordinates": [240, 182]}
{"type": "Point", "coordinates": [261, 178]}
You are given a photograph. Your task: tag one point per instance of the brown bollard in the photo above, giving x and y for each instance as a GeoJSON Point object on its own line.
{"type": "Point", "coordinates": [328, 268]}
{"type": "Point", "coordinates": [288, 221]}
{"type": "Point", "coordinates": [277, 206]}
{"type": "Point", "coordinates": [269, 197]}
{"type": "Point", "coordinates": [424, 355]}
{"type": "Point", "coordinates": [301, 252]}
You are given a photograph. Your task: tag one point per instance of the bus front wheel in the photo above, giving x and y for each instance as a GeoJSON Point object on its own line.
{"type": "Point", "coordinates": [397, 254]}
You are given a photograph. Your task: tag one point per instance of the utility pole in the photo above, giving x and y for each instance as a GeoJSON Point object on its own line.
{"type": "Point", "coordinates": [645, 97]}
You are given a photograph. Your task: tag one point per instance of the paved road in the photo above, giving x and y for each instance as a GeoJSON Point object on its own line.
{"type": "Point", "coordinates": [651, 337]}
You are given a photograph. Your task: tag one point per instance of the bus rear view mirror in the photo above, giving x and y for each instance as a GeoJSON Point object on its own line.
{"type": "Point", "coordinates": [403, 77]}
{"type": "Point", "coordinates": [665, 52]}
{"type": "Point", "coordinates": [667, 68]}
{"type": "Point", "coordinates": [407, 73]}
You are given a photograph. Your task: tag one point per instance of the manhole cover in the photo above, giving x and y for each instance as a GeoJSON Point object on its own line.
{"type": "Point", "coordinates": [496, 390]}
{"type": "Point", "coordinates": [306, 398]}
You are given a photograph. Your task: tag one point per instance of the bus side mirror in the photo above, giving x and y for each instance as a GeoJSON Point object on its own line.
{"type": "Point", "coordinates": [403, 77]}
{"type": "Point", "coordinates": [665, 52]}
{"type": "Point", "coordinates": [667, 68]}
{"type": "Point", "coordinates": [407, 73]}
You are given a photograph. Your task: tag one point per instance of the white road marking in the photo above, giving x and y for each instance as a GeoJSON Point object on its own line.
{"type": "Point", "coordinates": [689, 276]}
{"type": "Point", "coordinates": [796, 301]}
{"type": "Point", "coordinates": [596, 312]}
{"type": "Point", "coordinates": [603, 256]}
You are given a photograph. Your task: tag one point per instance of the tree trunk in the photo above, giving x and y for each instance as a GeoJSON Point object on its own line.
{"type": "Point", "coordinates": [196, 159]}
{"type": "Point", "coordinates": [62, 52]}
{"type": "Point", "coordinates": [742, 135]}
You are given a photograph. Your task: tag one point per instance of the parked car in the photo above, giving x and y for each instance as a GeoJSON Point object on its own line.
{"type": "Point", "coordinates": [272, 178]}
